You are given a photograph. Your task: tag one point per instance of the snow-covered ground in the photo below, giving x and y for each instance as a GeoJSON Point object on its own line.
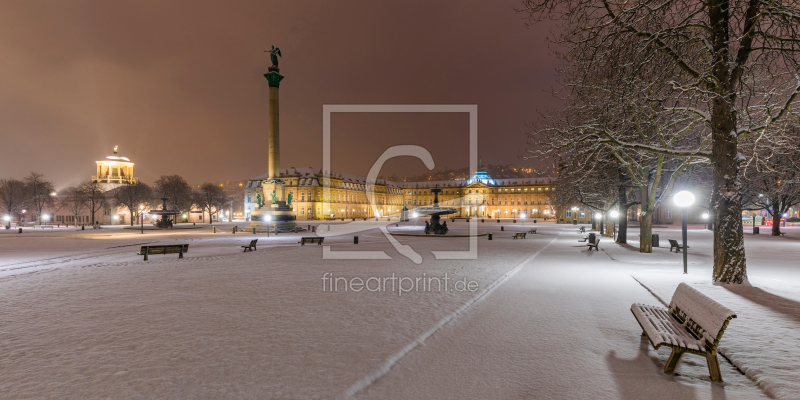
{"type": "Point", "coordinates": [83, 317]}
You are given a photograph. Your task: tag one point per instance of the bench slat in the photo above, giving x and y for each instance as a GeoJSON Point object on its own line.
{"type": "Point", "coordinates": [702, 315]}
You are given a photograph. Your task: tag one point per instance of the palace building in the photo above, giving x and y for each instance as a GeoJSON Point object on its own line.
{"type": "Point", "coordinates": [479, 196]}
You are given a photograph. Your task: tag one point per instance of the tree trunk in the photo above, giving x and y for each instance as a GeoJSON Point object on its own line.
{"type": "Point", "coordinates": [730, 265]}
{"type": "Point", "coordinates": [776, 222]}
{"type": "Point", "coordinates": [622, 232]}
{"type": "Point", "coordinates": [609, 228]}
{"type": "Point", "coordinates": [646, 233]}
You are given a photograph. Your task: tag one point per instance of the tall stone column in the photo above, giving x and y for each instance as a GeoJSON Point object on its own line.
{"type": "Point", "coordinates": [274, 79]}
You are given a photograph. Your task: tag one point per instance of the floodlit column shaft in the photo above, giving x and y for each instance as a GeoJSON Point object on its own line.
{"type": "Point", "coordinates": [274, 133]}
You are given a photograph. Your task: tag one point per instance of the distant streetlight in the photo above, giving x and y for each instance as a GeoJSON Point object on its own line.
{"type": "Point", "coordinates": [574, 215]}
{"type": "Point", "coordinates": [141, 219]}
{"type": "Point", "coordinates": [684, 199]}
{"type": "Point", "coordinates": [7, 218]}
{"type": "Point", "coordinates": [267, 218]}
{"type": "Point", "coordinates": [116, 217]}
{"type": "Point", "coordinates": [46, 218]}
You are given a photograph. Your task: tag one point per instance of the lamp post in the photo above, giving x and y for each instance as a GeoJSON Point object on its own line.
{"type": "Point", "coordinates": [522, 217]}
{"type": "Point", "coordinates": [574, 215]}
{"type": "Point", "coordinates": [614, 216]}
{"type": "Point", "coordinates": [46, 218]}
{"type": "Point", "coordinates": [684, 199]}
{"type": "Point", "coordinates": [7, 218]}
{"type": "Point", "coordinates": [115, 218]}
{"type": "Point", "coordinates": [141, 219]}
{"type": "Point", "coordinates": [267, 218]}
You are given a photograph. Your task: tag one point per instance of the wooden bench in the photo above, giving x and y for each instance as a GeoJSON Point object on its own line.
{"type": "Point", "coordinates": [533, 230]}
{"type": "Point", "coordinates": [675, 245]}
{"type": "Point", "coordinates": [595, 244]}
{"type": "Point", "coordinates": [519, 235]}
{"type": "Point", "coordinates": [43, 226]}
{"type": "Point", "coordinates": [251, 246]}
{"type": "Point", "coordinates": [164, 249]}
{"type": "Point", "coordinates": [693, 324]}
{"type": "Point", "coordinates": [585, 238]}
{"type": "Point", "coordinates": [582, 230]}
{"type": "Point", "coordinates": [311, 239]}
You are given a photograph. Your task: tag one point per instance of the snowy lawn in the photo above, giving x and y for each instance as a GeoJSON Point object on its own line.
{"type": "Point", "coordinates": [83, 317]}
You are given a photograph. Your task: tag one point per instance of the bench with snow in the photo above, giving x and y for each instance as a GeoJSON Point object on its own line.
{"type": "Point", "coordinates": [518, 235]}
{"type": "Point", "coordinates": [585, 238]}
{"type": "Point", "coordinates": [693, 324]}
{"type": "Point", "coordinates": [311, 239]}
{"type": "Point", "coordinates": [595, 244]}
{"type": "Point", "coordinates": [533, 230]}
{"type": "Point", "coordinates": [164, 249]}
{"type": "Point", "coordinates": [43, 226]}
{"type": "Point", "coordinates": [673, 244]}
{"type": "Point", "coordinates": [251, 246]}
{"type": "Point", "coordinates": [582, 230]}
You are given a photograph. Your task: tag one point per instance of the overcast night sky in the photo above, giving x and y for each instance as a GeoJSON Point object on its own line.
{"type": "Point", "coordinates": [179, 85]}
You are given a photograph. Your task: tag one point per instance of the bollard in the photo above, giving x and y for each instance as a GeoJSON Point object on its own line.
{"type": "Point", "coordinates": [502, 228]}
{"type": "Point", "coordinates": [309, 227]}
{"type": "Point", "coordinates": [254, 231]}
{"type": "Point", "coordinates": [83, 227]}
{"type": "Point", "coordinates": [213, 229]}
{"type": "Point", "coordinates": [515, 221]}
{"type": "Point", "coordinates": [355, 239]}
{"type": "Point", "coordinates": [194, 223]}
{"type": "Point", "coordinates": [490, 236]}
{"type": "Point", "coordinates": [20, 230]}
{"type": "Point", "coordinates": [314, 228]}
{"type": "Point", "coordinates": [233, 230]}
{"type": "Point", "coordinates": [396, 225]}
{"type": "Point", "coordinates": [498, 221]}
{"type": "Point", "coordinates": [482, 220]}
{"type": "Point", "coordinates": [534, 221]}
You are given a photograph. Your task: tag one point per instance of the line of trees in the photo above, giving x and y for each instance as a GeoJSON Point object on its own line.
{"type": "Point", "coordinates": [670, 85]}
{"type": "Point", "coordinates": [38, 195]}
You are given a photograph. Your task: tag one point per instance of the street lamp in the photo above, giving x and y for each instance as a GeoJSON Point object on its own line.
{"type": "Point", "coordinates": [46, 218]}
{"type": "Point", "coordinates": [614, 216]}
{"type": "Point", "coordinates": [7, 218]}
{"type": "Point", "coordinates": [684, 199]}
{"type": "Point", "coordinates": [267, 218]}
{"type": "Point", "coordinates": [141, 220]}
{"type": "Point", "coordinates": [575, 215]}
{"type": "Point", "coordinates": [116, 217]}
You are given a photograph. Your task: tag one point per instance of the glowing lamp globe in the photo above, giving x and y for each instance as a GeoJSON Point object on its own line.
{"type": "Point", "coordinates": [683, 198]}
{"type": "Point", "coordinates": [705, 215]}
{"type": "Point", "coordinates": [598, 216]}
{"type": "Point", "coordinates": [614, 214]}
{"type": "Point", "coordinates": [267, 218]}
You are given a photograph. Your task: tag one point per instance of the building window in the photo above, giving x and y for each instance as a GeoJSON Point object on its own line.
{"type": "Point", "coordinates": [668, 212]}
{"type": "Point", "coordinates": [569, 213]}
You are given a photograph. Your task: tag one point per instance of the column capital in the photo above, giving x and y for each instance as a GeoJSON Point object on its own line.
{"type": "Point", "coordinates": [274, 78]}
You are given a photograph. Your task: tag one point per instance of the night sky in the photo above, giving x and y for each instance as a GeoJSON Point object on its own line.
{"type": "Point", "coordinates": [179, 85]}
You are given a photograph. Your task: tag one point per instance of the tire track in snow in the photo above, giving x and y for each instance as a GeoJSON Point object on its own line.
{"type": "Point", "coordinates": [394, 359]}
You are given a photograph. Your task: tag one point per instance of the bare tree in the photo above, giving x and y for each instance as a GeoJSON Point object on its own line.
{"type": "Point", "coordinates": [40, 193]}
{"type": "Point", "coordinates": [210, 198]}
{"type": "Point", "coordinates": [736, 68]}
{"type": "Point", "coordinates": [134, 197]}
{"type": "Point", "coordinates": [13, 197]}
{"type": "Point", "coordinates": [95, 196]}
{"type": "Point", "coordinates": [773, 184]}
{"type": "Point", "coordinates": [178, 191]}
{"type": "Point", "coordinates": [74, 201]}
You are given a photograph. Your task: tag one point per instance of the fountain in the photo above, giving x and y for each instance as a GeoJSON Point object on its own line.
{"type": "Point", "coordinates": [434, 226]}
{"type": "Point", "coordinates": [165, 221]}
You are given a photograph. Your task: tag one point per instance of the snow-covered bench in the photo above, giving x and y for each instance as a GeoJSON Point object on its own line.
{"type": "Point", "coordinates": [673, 244]}
{"type": "Point", "coordinates": [519, 235]}
{"type": "Point", "coordinates": [693, 324]}
{"type": "Point", "coordinates": [595, 245]}
{"type": "Point", "coordinates": [251, 246]}
{"type": "Point", "coordinates": [311, 239]}
{"type": "Point", "coordinates": [532, 230]}
{"type": "Point", "coordinates": [164, 249]}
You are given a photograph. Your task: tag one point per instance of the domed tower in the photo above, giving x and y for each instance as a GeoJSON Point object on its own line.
{"type": "Point", "coordinates": [115, 170]}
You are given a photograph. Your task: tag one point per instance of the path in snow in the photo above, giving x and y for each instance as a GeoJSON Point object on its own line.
{"type": "Point", "coordinates": [559, 329]}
